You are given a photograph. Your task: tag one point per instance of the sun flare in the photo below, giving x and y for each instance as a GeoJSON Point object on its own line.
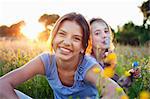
{"type": "Point", "coordinates": [31, 30]}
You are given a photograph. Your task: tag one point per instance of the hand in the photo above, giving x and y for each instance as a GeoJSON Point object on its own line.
{"type": "Point", "coordinates": [7, 91]}
{"type": "Point", "coordinates": [135, 72]}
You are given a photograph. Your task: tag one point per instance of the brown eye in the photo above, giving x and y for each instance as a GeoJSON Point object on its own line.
{"type": "Point", "coordinates": [107, 31]}
{"type": "Point", "coordinates": [61, 33]}
{"type": "Point", "coordinates": [77, 39]}
{"type": "Point", "coordinates": [97, 33]}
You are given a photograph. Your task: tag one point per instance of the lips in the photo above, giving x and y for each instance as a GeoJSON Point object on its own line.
{"type": "Point", "coordinates": [65, 51]}
{"type": "Point", "coordinates": [106, 41]}
{"type": "Point", "coordinates": [103, 42]}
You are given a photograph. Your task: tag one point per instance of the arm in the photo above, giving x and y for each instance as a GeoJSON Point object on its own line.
{"type": "Point", "coordinates": [105, 85]}
{"type": "Point", "coordinates": [9, 81]}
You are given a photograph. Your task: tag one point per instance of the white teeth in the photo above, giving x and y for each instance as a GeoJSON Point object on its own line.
{"type": "Point", "coordinates": [65, 50]}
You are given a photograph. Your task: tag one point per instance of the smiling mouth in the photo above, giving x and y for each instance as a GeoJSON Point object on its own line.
{"type": "Point", "coordinates": [65, 50]}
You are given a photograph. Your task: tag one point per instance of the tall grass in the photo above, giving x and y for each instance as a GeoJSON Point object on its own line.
{"type": "Point", "coordinates": [126, 55]}
{"type": "Point", "coordinates": [14, 54]}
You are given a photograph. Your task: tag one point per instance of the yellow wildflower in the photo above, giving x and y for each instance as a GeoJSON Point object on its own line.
{"type": "Point", "coordinates": [96, 70]}
{"type": "Point", "coordinates": [144, 95]}
{"type": "Point", "coordinates": [124, 97]}
{"type": "Point", "coordinates": [108, 72]}
{"type": "Point", "coordinates": [119, 89]}
{"type": "Point", "coordinates": [111, 58]}
{"type": "Point", "coordinates": [127, 74]}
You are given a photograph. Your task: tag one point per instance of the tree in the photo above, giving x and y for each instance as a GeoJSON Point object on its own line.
{"type": "Point", "coordinates": [3, 30]}
{"type": "Point", "coordinates": [132, 34]}
{"type": "Point", "coordinates": [48, 19]}
{"type": "Point", "coordinates": [12, 31]}
{"type": "Point", "coordinates": [145, 8]}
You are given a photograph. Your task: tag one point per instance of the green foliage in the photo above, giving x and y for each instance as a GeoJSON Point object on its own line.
{"type": "Point", "coordinates": [119, 70]}
{"type": "Point", "coordinates": [37, 88]}
{"type": "Point", "coordinates": [131, 34]}
{"type": "Point", "coordinates": [142, 83]}
{"type": "Point", "coordinates": [126, 56]}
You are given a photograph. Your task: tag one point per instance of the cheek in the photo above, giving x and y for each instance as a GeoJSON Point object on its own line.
{"type": "Point", "coordinates": [55, 43]}
{"type": "Point", "coordinates": [95, 42]}
{"type": "Point", "coordinates": [108, 35]}
{"type": "Point", "coordinates": [96, 39]}
{"type": "Point", "coordinates": [78, 45]}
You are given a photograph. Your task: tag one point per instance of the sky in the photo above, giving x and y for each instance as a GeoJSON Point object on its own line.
{"type": "Point", "coordinates": [114, 12]}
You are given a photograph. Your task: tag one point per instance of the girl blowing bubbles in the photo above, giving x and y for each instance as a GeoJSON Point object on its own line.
{"type": "Point", "coordinates": [102, 48]}
{"type": "Point", "coordinates": [102, 45]}
{"type": "Point", "coordinates": [68, 70]}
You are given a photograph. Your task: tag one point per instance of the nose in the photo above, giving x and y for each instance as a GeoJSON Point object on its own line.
{"type": "Point", "coordinates": [67, 41]}
{"type": "Point", "coordinates": [104, 34]}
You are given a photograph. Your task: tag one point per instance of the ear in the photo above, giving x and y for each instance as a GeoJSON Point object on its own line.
{"type": "Point", "coordinates": [82, 51]}
{"type": "Point", "coordinates": [52, 45]}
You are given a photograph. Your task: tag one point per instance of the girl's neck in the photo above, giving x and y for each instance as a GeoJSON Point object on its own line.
{"type": "Point", "coordinates": [70, 65]}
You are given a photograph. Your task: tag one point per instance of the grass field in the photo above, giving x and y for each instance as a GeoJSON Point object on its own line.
{"type": "Point", "coordinates": [14, 54]}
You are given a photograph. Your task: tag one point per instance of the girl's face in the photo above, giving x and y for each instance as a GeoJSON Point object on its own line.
{"type": "Point", "coordinates": [100, 35]}
{"type": "Point", "coordinates": [67, 43]}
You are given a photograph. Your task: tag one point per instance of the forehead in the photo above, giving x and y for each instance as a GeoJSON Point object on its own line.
{"type": "Point", "coordinates": [71, 27]}
{"type": "Point", "coordinates": [99, 25]}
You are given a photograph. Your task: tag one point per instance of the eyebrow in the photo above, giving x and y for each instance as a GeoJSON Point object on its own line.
{"type": "Point", "coordinates": [62, 30]}
{"type": "Point", "coordinates": [97, 30]}
{"type": "Point", "coordinates": [107, 28]}
{"type": "Point", "coordinates": [100, 29]}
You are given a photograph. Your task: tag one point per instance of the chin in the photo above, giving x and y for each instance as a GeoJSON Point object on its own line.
{"type": "Point", "coordinates": [63, 57]}
{"type": "Point", "coordinates": [104, 47]}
